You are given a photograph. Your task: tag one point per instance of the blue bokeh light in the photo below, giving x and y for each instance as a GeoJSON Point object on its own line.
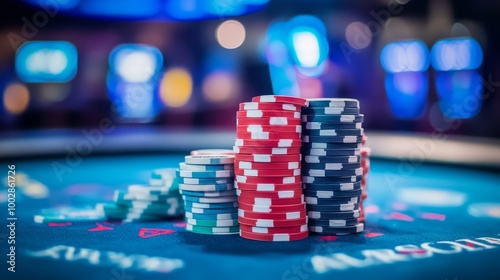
{"type": "Point", "coordinates": [407, 93]}
{"type": "Point", "coordinates": [135, 62]}
{"type": "Point", "coordinates": [406, 56]}
{"type": "Point", "coordinates": [456, 54]}
{"type": "Point", "coordinates": [46, 61]}
{"type": "Point", "coordinates": [459, 93]}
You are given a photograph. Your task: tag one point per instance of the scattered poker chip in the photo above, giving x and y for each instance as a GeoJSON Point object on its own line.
{"type": "Point", "coordinates": [267, 180]}
{"type": "Point", "coordinates": [338, 230]}
{"type": "Point", "coordinates": [331, 159]}
{"type": "Point", "coordinates": [289, 215]}
{"type": "Point", "coordinates": [333, 223]}
{"type": "Point", "coordinates": [123, 195]}
{"type": "Point", "coordinates": [223, 216]}
{"type": "Point", "coordinates": [333, 208]}
{"type": "Point", "coordinates": [205, 174]}
{"type": "Point", "coordinates": [333, 201]}
{"type": "Point", "coordinates": [69, 214]}
{"type": "Point", "coordinates": [333, 102]}
{"type": "Point", "coordinates": [332, 166]}
{"type": "Point", "coordinates": [205, 152]}
{"type": "Point", "coordinates": [231, 192]}
{"type": "Point", "coordinates": [205, 181]}
{"type": "Point", "coordinates": [269, 158]}
{"type": "Point", "coordinates": [266, 230]}
{"type": "Point", "coordinates": [206, 188]}
{"type": "Point", "coordinates": [333, 132]}
{"type": "Point", "coordinates": [332, 152]}
{"type": "Point", "coordinates": [151, 190]}
{"type": "Point", "coordinates": [267, 173]}
{"type": "Point", "coordinates": [190, 204]}
{"type": "Point", "coordinates": [267, 114]}
{"type": "Point", "coordinates": [273, 209]}
{"type": "Point", "coordinates": [268, 121]}
{"type": "Point", "coordinates": [269, 128]}
{"type": "Point", "coordinates": [281, 99]}
{"type": "Point", "coordinates": [268, 106]}
{"type": "Point", "coordinates": [195, 210]}
{"type": "Point", "coordinates": [333, 173]}
{"type": "Point", "coordinates": [212, 230]}
{"type": "Point", "coordinates": [321, 125]}
{"type": "Point", "coordinates": [331, 139]}
{"type": "Point", "coordinates": [209, 159]}
{"type": "Point", "coordinates": [267, 187]}
{"type": "Point", "coordinates": [273, 194]}
{"type": "Point", "coordinates": [274, 237]}
{"type": "Point", "coordinates": [266, 150]}
{"type": "Point", "coordinates": [264, 201]}
{"type": "Point", "coordinates": [267, 135]}
{"type": "Point", "coordinates": [211, 200]}
{"type": "Point", "coordinates": [212, 223]}
{"type": "Point", "coordinates": [163, 177]}
{"type": "Point", "coordinates": [193, 167]}
{"type": "Point", "coordinates": [271, 222]}
{"type": "Point", "coordinates": [267, 166]}
{"type": "Point", "coordinates": [332, 186]}
{"type": "Point", "coordinates": [333, 215]}
{"type": "Point", "coordinates": [333, 118]}
{"type": "Point", "coordinates": [321, 145]}
{"type": "Point", "coordinates": [330, 111]}
{"type": "Point", "coordinates": [281, 143]}
{"type": "Point", "coordinates": [325, 180]}
{"type": "Point", "coordinates": [332, 194]}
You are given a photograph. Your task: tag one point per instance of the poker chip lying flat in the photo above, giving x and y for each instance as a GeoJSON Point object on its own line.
{"type": "Point", "coordinates": [206, 188]}
{"type": "Point", "coordinates": [266, 150]}
{"type": "Point", "coordinates": [333, 208]}
{"type": "Point", "coordinates": [333, 102]}
{"type": "Point", "coordinates": [332, 186]}
{"type": "Point", "coordinates": [332, 152]}
{"type": "Point", "coordinates": [267, 187]}
{"type": "Point", "coordinates": [331, 159]}
{"type": "Point", "coordinates": [268, 121]}
{"type": "Point", "coordinates": [322, 125]}
{"type": "Point", "coordinates": [328, 180]}
{"type": "Point", "coordinates": [205, 174]}
{"type": "Point", "coordinates": [205, 181]}
{"type": "Point", "coordinates": [333, 215]}
{"type": "Point", "coordinates": [271, 201]}
{"type": "Point", "coordinates": [333, 223]}
{"type": "Point", "coordinates": [332, 146]}
{"type": "Point", "coordinates": [69, 214]}
{"type": "Point", "coordinates": [269, 158]}
{"type": "Point", "coordinates": [124, 196]}
{"type": "Point", "coordinates": [331, 201]}
{"type": "Point", "coordinates": [267, 114]}
{"type": "Point", "coordinates": [190, 204]}
{"type": "Point", "coordinates": [231, 192]}
{"type": "Point", "coordinates": [332, 194]}
{"type": "Point", "coordinates": [266, 230]}
{"type": "Point", "coordinates": [331, 139]}
{"type": "Point", "coordinates": [281, 99]}
{"type": "Point", "coordinates": [281, 143]}
{"type": "Point", "coordinates": [212, 223]}
{"type": "Point", "coordinates": [272, 209]}
{"type": "Point", "coordinates": [271, 223]}
{"type": "Point", "coordinates": [267, 180]}
{"type": "Point", "coordinates": [272, 194]}
{"type": "Point", "coordinates": [332, 166]}
{"type": "Point", "coordinates": [195, 167]}
{"type": "Point", "coordinates": [268, 173]}
{"type": "Point", "coordinates": [269, 128]}
{"type": "Point", "coordinates": [292, 215]}
{"type": "Point", "coordinates": [333, 118]}
{"type": "Point", "coordinates": [205, 152]}
{"type": "Point", "coordinates": [330, 111]}
{"type": "Point", "coordinates": [221, 216]}
{"type": "Point", "coordinates": [333, 173]}
{"type": "Point", "coordinates": [333, 132]}
{"type": "Point", "coordinates": [152, 190]}
{"type": "Point", "coordinates": [212, 230]}
{"type": "Point", "coordinates": [211, 211]}
{"type": "Point", "coordinates": [267, 166]}
{"type": "Point", "coordinates": [211, 200]}
{"type": "Point", "coordinates": [274, 237]}
{"type": "Point", "coordinates": [268, 135]}
{"type": "Point", "coordinates": [268, 106]}
{"type": "Point", "coordinates": [209, 159]}
{"type": "Point", "coordinates": [338, 230]}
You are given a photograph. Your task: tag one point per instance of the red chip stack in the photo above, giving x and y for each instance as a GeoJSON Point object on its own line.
{"type": "Point", "coordinates": [267, 168]}
{"type": "Point", "coordinates": [365, 164]}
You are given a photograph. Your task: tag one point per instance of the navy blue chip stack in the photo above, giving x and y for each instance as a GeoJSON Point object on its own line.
{"type": "Point", "coordinates": [206, 183]}
{"type": "Point", "coordinates": [331, 168]}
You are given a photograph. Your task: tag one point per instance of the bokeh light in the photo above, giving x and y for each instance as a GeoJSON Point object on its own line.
{"type": "Point", "coordinates": [220, 86]}
{"type": "Point", "coordinates": [407, 93]}
{"type": "Point", "coordinates": [459, 93]}
{"type": "Point", "coordinates": [135, 63]}
{"type": "Point", "coordinates": [406, 56]}
{"type": "Point", "coordinates": [176, 87]}
{"type": "Point", "coordinates": [16, 98]}
{"type": "Point", "coordinates": [231, 34]}
{"type": "Point", "coordinates": [358, 35]}
{"type": "Point", "coordinates": [456, 54]}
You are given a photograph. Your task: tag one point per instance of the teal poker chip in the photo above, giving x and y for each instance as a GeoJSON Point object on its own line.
{"type": "Point", "coordinates": [189, 204]}
{"type": "Point", "coordinates": [209, 159]}
{"type": "Point", "coordinates": [209, 194]}
{"type": "Point", "coordinates": [124, 195]}
{"type": "Point", "coordinates": [213, 230]}
{"type": "Point", "coordinates": [205, 181]}
{"type": "Point", "coordinates": [69, 214]}
{"type": "Point", "coordinates": [332, 173]}
{"type": "Point", "coordinates": [152, 190]}
{"type": "Point", "coordinates": [332, 186]}
{"type": "Point", "coordinates": [328, 180]}
{"type": "Point", "coordinates": [333, 223]}
{"type": "Point", "coordinates": [338, 230]}
{"type": "Point", "coordinates": [332, 139]}
{"type": "Point", "coordinates": [221, 216]}
{"type": "Point", "coordinates": [205, 174]}
{"type": "Point", "coordinates": [195, 210]}
{"type": "Point", "coordinates": [333, 132]}
{"type": "Point", "coordinates": [163, 177]}
{"type": "Point", "coordinates": [332, 194]}
{"type": "Point", "coordinates": [213, 200]}
{"type": "Point", "coordinates": [212, 223]}
{"type": "Point", "coordinates": [334, 215]}
{"type": "Point", "coordinates": [331, 152]}
{"type": "Point", "coordinates": [333, 102]}
{"type": "Point", "coordinates": [309, 159]}
{"type": "Point", "coordinates": [321, 125]}
{"type": "Point", "coordinates": [197, 167]}
{"type": "Point", "coordinates": [206, 188]}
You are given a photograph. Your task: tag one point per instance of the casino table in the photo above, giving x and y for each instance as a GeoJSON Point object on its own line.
{"type": "Point", "coordinates": [426, 220]}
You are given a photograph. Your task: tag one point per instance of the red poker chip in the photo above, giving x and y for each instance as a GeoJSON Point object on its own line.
{"type": "Point", "coordinates": [268, 135]}
{"type": "Point", "coordinates": [271, 222]}
{"type": "Point", "coordinates": [267, 172]}
{"type": "Point", "coordinates": [275, 209]}
{"type": "Point", "coordinates": [277, 237]}
{"type": "Point", "coordinates": [281, 99]}
{"type": "Point", "coordinates": [268, 180]}
{"type": "Point", "coordinates": [290, 215]}
{"type": "Point", "coordinates": [267, 187]}
{"type": "Point", "coordinates": [267, 114]}
{"type": "Point", "coordinates": [365, 151]}
{"type": "Point", "coordinates": [282, 143]}
{"type": "Point", "coordinates": [267, 150]}
{"type": "Point", "coordinates": [269, 128]}
{"type": "Point", "coordinates": [268, 158]}
{"type": "Point", "coordinates": [264, 230]}
{"type": "Point", "coordinates": [274, 194]}
{"type": "Point", "coordinates": [268, 106]}
{"type": "Point", "coordinates": [266, 166]}
{"type": "Point", "coordinates": [265, 201]}
{"type": "Point", "coordinates": [275, 121]}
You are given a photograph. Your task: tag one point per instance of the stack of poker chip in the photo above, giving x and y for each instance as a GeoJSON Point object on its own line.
{"type": "Point", "coordinates": [365, 164]}
{"type": "Point", "coordinates": [160, 200]}
{"type": "Point", "coordinates": [268, 169]}
{"type": "Point", "coordinates": [332, 136]}
{"type": "Point", "coordinates": [206, 183]}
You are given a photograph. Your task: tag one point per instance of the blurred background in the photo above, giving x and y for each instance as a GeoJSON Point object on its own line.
{"type": "Point", "coordinates": [416, 66]}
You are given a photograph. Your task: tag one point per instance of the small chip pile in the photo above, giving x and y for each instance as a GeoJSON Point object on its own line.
{"type": "Point", "coordinates": [332, 135]}
{"type": "Point", "coordinates": [160, 200]}
{"type": "Point", "coordinates": [268, 169]}
{"type": "Point", "coordinates": [206, 183]}
{"type": "Point", "coordinates": [365, 164]}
